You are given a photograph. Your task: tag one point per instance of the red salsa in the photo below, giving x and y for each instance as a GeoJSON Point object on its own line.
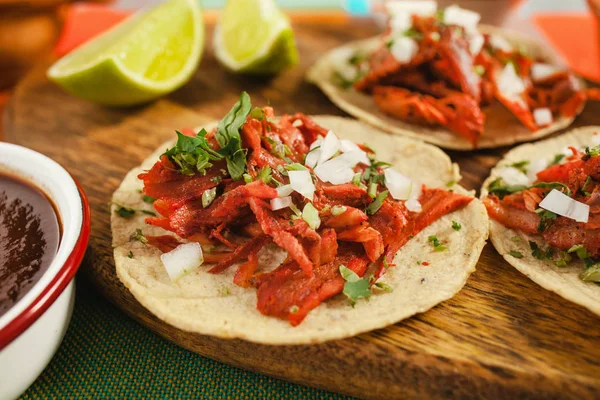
{"type": "Point", "coordinates": [29, 237]}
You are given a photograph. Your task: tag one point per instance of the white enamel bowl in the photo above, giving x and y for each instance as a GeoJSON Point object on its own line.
{"type": "Point", "coordinates": [32, 330]}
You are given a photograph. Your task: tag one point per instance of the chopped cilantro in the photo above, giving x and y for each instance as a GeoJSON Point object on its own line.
{"type": "Point", "coordinates": [536, 251]}
{"type": "Point", "coordinates": [456, 226]}
{"type": "Point", "coordinates": [376, 203]}
{"type": "Point", "coordinates": [553, 185]}
{"type": "Point", "coordinates": [128, 212]}
{"type": "Point", "coordinates": [192, 154]}
{"type": "Point", "coordinates": [124, 212]}
{"type": "Point", "coordinates": [593, 151]}
{"type": "Point", "coordinates": [229, 139]}
{"type": "Point", "coordinates": [355, 287]}
{"type": "Point", "coordinates": [294, 309]}
{"type": "Point", "coordinates": [563, 259]}
{"type": "Point", "coordinates": [546, 219]}
{"type": "Point", "coordinates": [247, 178]}
{"type": "Point", "coordinates": [130, 255]}
{"type": "Point", "coordinates": [591, 274]}
{"type": "Point", "coordinates": [557, 159]}
{"type": "Point", "coordinates": [148, 199]}
{"type": "Point", "coordinates": [357, 58]}
{"type": "Point", "coordinates": [515, 254]}
{"type": "Point", "coordinates": [384, 286]}
{"type": "Point", "coordinates": [516, 238]}
{"type": "Point", "coordinates": [437, 246]}
{"type": "Point", "coordinates": [580, 251]}
{"type": "Point", "coordinates": [521, 166]}
{"type": "Point", "coordinates": [264, 174]}
{"type": "Point", "coordinates": [450, 183]}
{"type": "Point", "coordinates": [500, 190]}
{"type": "Point", "coordinates": [341, 81]}
{"type": "Point", "coordinates": [139, 236]}
{"type": "Point", "coordinates": [413, 34]}
{"type": "Point", "coordinates": [295, 167]}
{"type": "Point", "coordinates": [258, 113]}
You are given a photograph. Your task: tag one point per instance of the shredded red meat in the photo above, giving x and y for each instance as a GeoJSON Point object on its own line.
{"type": "Point", "coordinates": [581, 174]}
{"type": "Point", "coordinates": [241, 218]}
{"type": "Point", "coordinates": [446, 85]}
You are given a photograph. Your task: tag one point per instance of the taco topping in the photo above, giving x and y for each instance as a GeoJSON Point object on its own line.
{"type": "Point", "coordinates": [558, 199]}
{"type": "Point", "coordinates": [255, 181]}
{"type": "Point", "coordinates": [434, 67]}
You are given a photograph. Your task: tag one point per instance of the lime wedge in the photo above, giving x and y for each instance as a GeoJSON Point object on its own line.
{"type": "Point", "coordinates": [254, 37]}
{"type": "Point", "coordinates": [146, 56]}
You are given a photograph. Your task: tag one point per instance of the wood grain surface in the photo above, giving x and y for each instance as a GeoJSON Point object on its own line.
{"type": "Point", "coordinates": [502, 336]}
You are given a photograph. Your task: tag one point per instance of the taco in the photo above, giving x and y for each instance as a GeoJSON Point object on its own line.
{"type": "Point", "coordinates": [543, 200]}
{"type": "Point", "coordinates": [279, 231]}
{"type": "Point", "coordinates": [435, 75]}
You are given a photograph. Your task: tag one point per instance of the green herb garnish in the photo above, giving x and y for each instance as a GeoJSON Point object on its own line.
{"type": "Point", "coordinates": [521, 166]}
{"type": "Point", "coordinates": [228, 137]}
{"type": "Point", "coordinates": [139, 236]}
{"type": "Point", "coordinates": [437, 246]}
{"type": "Point", "coordinates": [377, 203]}
{"type": "Point", "coordinates": [384, 286]}
{"type": "Point", "coordinates": [294, 309]}
{"type": "Point", "coordinates": [580, 251]}
{"type": "Point", "coordinates": [563, 259]}
{"type": "Point", "coordinates": [355, 286]}
{"type": "Point", "coordinates": [500, 190]}
{"type": "Point", "coordinates": [130, 255]}
{"type": "Point", "coordinates": [546, 219]}
{"type": "Point", "coordinates": [557, 159]}
{"type": "Point", "coordinates": [591, 273]}
{"type": "Point", "coordinates": [148, 199]}
{"type": "Point", "coordinates": [456, 226]}
{"type": "Point", "coordinates": [536, 251]}
{"type": "Point", "coordinates": [515, 254]}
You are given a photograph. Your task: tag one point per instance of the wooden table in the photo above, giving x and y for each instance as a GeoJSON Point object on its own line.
{"type": "Point", "coordinates": [502, 336]}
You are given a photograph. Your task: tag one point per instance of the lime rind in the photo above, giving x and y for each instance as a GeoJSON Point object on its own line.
{"type": "Point", "coordinates": [276, 52]}
{"type": "Point", "coordinates": [106, 80]}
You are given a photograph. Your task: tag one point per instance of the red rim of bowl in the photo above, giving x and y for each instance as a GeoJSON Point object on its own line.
{"type": "Point", "coordinates": [58, 284]}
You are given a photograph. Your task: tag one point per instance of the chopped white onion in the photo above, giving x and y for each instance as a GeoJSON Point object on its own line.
{"type": "Point", "coordinates": [285, 190]}
{"type": "Point", "coordinates": [302, 183]}
{"type": "Point", "coordinates": [498, 42]}
{"type": "Point", "coordinates": [541, 71]}
{"type": "Point", "coordinates": [510, 85]}
{"type": "Point", "coordinates": [595, 140]}
{"type": "Point", "coordinates": [454, 15]}
{"type": "Point", "coordinates": [476, 42]}
{"type": "Point", "coordinates": [281, 202]}
{"type": "Point", "coordinates": [297, 123]}
{"type": "Point", "coordinates": [400, 186]}
{"type": "Point", "coordinates": [534, 167]}
{"type": "Point", "coordinates": [182, 259]}
{"type": "Point", "coordinates": [542, 116]}
{"type": "Point", "coordinates": [400, 23]}
{"type": "Point", "coordinates": [512, 176]}
{"type": "Point", "coordinates": [413, 205]}
{"type": "Point", "coordinates": [561, 204]}
{"type": "Point", "coordinates": [330, 145]}
{"type": "Point", "coordinates": [348, 146]}
{"type": "Point", "coordinates": [314, 153]}
{"type": "Point", "coordinates": [338, 170]}
{"type": "Point", "coordinates": [404, 49]}
{"type": "Point", "coordinates": [425, 8]}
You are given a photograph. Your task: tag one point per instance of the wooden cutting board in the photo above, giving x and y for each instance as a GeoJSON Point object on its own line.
{"type": "Point", "coordinates": [502, 336]}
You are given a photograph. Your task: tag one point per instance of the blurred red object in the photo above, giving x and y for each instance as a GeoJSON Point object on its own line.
{"type": "Point", "coordinates": [83, 22]}
{"type": "Point", "coordinates": [576, 38]}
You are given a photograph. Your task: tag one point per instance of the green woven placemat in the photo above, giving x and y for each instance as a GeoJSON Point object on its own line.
{"type": "Point", "coordinates": [105, 354]}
